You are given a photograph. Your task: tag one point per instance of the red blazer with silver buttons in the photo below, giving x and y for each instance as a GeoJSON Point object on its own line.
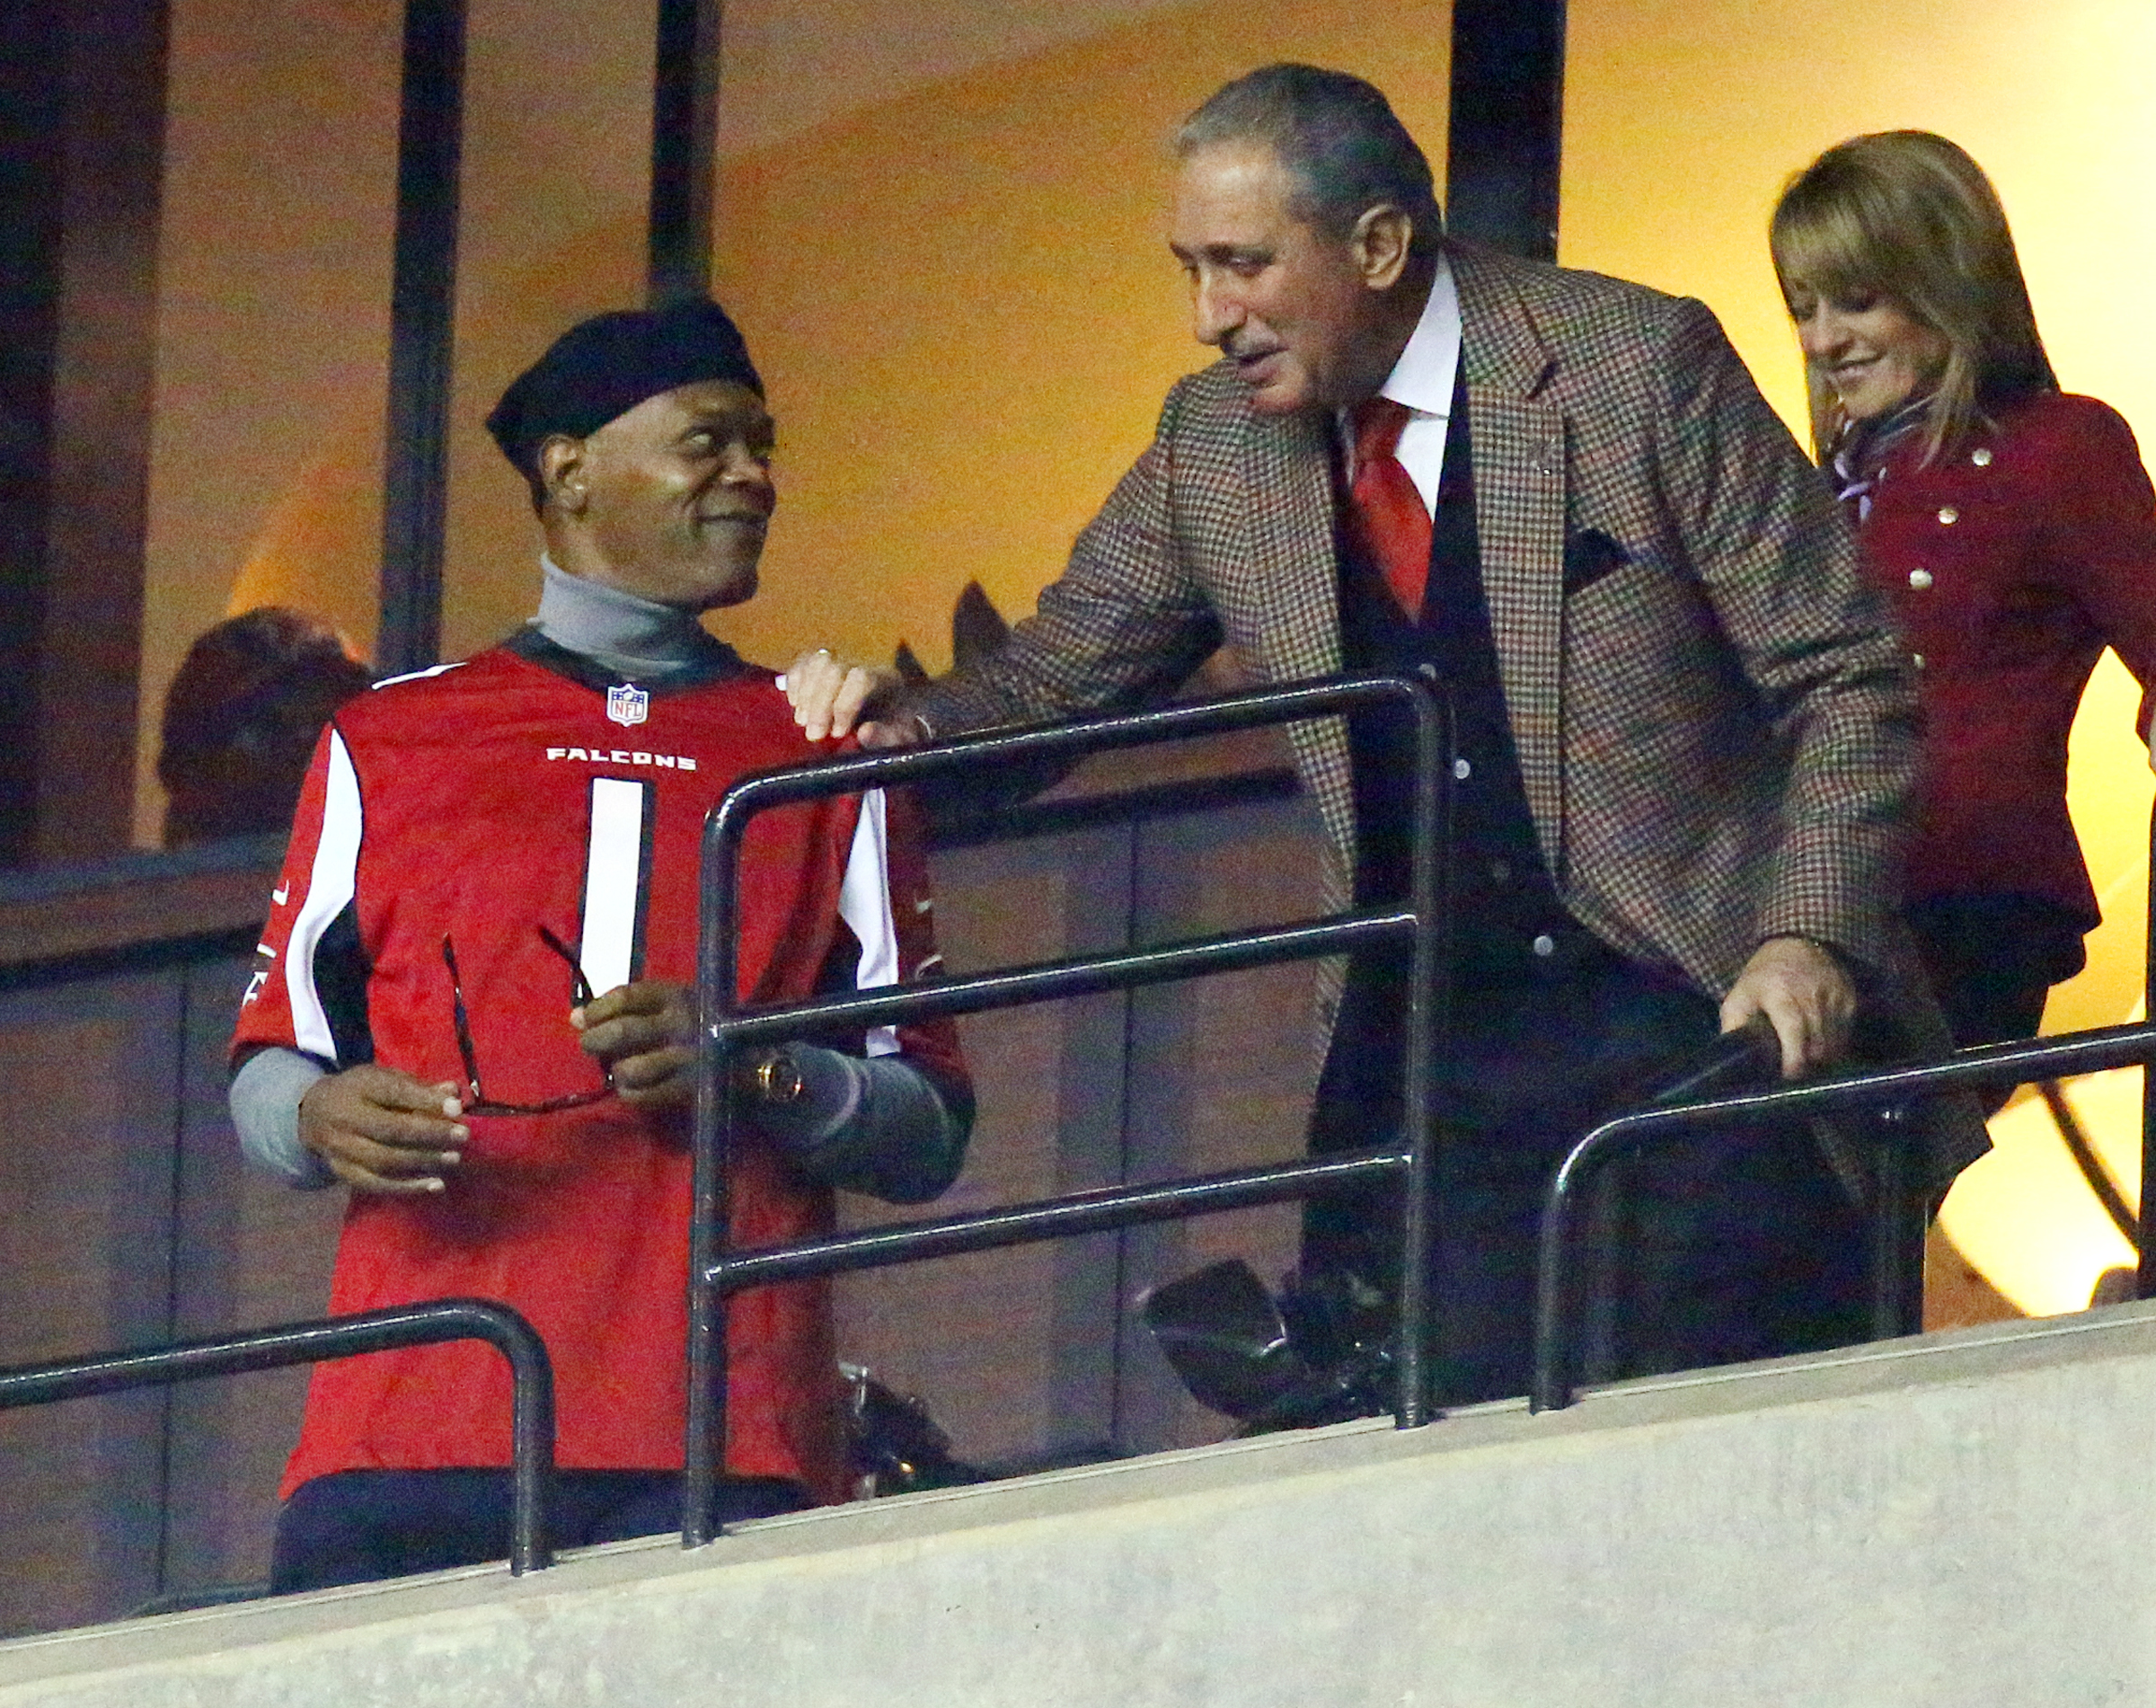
{"type": "Point", "coordinates": [2011, 562]}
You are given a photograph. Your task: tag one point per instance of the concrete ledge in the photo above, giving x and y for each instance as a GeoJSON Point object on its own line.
{"type": "Point", "coordinates": [1960, 1520]}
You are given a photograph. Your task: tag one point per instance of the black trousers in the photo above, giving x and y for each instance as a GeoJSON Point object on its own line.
{"type": "Point", "coordinates": [1725, 1249]}
{"type": "Point", "coordinates": [357, 1527]}
{"type": "Point", "coordinates": [1992, 960]}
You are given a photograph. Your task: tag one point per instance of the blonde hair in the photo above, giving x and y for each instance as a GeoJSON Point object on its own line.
{"type": "Point", "coordinates": [1907, 215]}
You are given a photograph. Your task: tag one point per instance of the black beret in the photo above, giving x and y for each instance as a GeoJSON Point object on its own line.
{"type": "Point", "coordinates": [606, 366]}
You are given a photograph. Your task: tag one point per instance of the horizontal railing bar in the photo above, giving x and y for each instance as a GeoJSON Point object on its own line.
{"type": "Point", "coordinates": [532, 1425]}
{"type": "Point", "coordinates": [2013, 1063]}
{"type": "Point", "coordinates": [1077, 976]}
{"type": "Point", "coordinates": [1100, 1210]}
{"type": "Point", "coordinates": [2010, 1064]}
{"type": "Point", "coordinates": [253, 1350]}
{"type": "Point", "coordinates": [894, 768]}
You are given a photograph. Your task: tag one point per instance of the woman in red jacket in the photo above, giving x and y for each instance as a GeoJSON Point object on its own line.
{"type": "Point", "coordinates": [2009, 525]}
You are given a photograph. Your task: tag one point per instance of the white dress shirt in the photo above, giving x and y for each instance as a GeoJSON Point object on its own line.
{"type": "Point", "coordinates": [1423, 380]}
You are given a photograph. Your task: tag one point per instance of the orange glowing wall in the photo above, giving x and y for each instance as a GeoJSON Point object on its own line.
{"type": "Point", "coordinates": [964, 303]}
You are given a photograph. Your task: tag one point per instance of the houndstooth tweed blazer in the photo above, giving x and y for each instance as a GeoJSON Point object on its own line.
{"type": "Point", "coordinates": [1716, 730]}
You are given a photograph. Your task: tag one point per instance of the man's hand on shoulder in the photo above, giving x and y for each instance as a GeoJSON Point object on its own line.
{"type": "Point", "coordinates": [1805, 992]}
{"type": "Point", "coordinates": [646, 1035]}
{"type": "Point", "coordinates": [380, 1130]}
{"type": "Point", "coordinates": [830, 698]}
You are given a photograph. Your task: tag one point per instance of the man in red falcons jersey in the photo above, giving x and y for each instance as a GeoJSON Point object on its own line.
{"type": "Point", "coordinates": [472, 1005]}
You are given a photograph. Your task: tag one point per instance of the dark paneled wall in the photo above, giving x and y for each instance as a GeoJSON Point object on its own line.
{"type": "Point", "coordinates": [245, 1252]}
{"type": "Point", "coordinates": [126, 1220]}
{"type": "Point", "coordinates": [87, 1181]}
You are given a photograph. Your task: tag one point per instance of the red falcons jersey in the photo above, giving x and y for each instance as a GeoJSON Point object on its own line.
{"type": "Point", "coordinates": [474, 804]}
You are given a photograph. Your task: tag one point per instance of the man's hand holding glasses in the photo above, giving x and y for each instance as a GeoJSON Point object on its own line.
{"type": "Point", "coordinates": [380, 1130]}
{"type": "Point", "coordinates": [645, 1036]}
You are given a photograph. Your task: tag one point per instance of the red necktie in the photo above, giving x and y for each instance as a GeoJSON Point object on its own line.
{"type": "Point", "coordinates": [1383, 506]}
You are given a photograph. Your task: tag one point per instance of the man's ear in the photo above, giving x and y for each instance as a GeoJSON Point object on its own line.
{"type": "Point", "coordinates": [561, 472]}
{"type": "Point", "coordinates": [1383, 245]}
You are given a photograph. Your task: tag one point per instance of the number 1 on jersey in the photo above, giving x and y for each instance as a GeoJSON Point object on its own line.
{"type": "Point", "coordinates": [618, 876]}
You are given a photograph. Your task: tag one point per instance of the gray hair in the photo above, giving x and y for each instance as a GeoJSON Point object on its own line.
{"type": "Point", "coordinates": [1336, 135]}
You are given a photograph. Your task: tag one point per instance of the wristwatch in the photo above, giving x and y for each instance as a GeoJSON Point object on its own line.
{"type": "Point", "coordinates": [768, 1076]}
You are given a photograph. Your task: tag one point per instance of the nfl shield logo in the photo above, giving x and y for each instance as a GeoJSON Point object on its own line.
{"type": "Point", "coordinates": [628, 704]}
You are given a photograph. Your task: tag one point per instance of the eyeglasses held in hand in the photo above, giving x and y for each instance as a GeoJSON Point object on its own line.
{"type": "Point", "coordinates": [476, 1101]}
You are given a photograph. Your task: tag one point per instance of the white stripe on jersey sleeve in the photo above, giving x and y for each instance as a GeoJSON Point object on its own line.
{"type": "Point", "coordinates": [421, 675]}
{"type": "Point", "coordinates": [613, 862]}
{"type": "Point", "coordinates": [330, 889]}
{"type": "Point", "coordinates": [864, 903]}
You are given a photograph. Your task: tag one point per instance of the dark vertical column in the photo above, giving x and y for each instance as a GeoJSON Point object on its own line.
{"type": "Point", "coordinates": [684, 122]}
{"type": "Point", "coordinates": [32, 113]}
{"type": "Point", "coordinates": [82, 127]}
{"type": "Point", "coordinates": [103, 390]}
{"type": "Point", "coordinates": [1503, 142]}
{"type": "Point", "coordinates": [422, 334]}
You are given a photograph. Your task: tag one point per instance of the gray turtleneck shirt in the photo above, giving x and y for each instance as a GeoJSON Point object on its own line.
{"type": "Point", "coordinates": [879, 1124]}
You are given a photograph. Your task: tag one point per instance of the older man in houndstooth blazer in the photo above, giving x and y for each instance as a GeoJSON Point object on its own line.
{"type": "Point", "coordinates": [1714, 733]}
{"type": "Point", "coordinates": [1689, 733]}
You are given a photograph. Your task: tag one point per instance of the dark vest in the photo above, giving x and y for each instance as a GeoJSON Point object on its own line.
{"type": "Point", "coordinates": [1507, 917]}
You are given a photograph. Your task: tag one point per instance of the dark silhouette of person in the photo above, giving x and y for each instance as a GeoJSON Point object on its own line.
{"type": "Point", "coordinates": [241, 719]}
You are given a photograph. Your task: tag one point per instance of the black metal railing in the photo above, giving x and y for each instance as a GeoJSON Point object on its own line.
{"type": "Point", "coordinates": [532, 1402]}
{"type": "Point", "coordinates": [1899, 1199]}
{"type": "Point", "coordinates": [716, 1273]}
{"type": "Point", "coordinates": [2144, 1273]}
